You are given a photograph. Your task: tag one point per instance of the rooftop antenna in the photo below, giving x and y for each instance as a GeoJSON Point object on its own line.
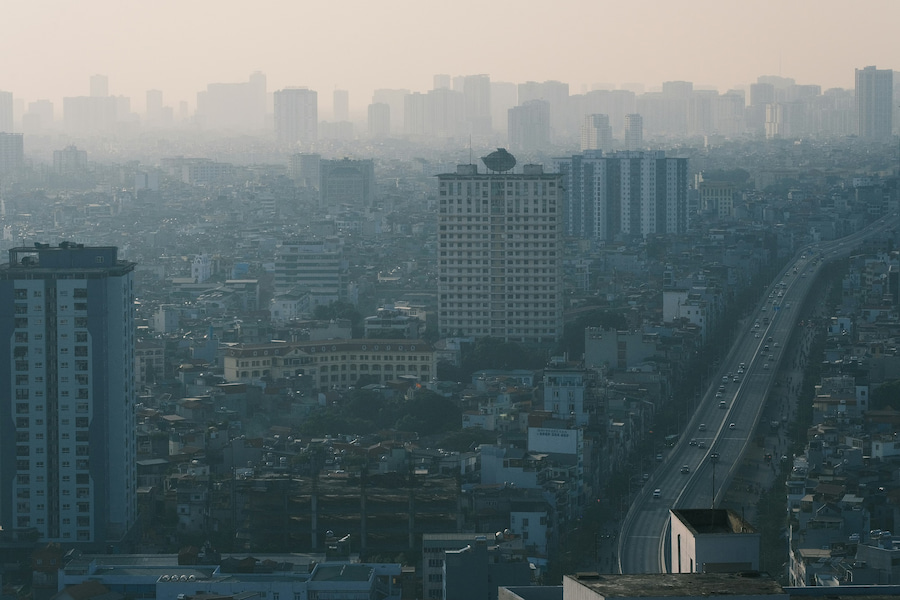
{"type": "Point", "coordinates": [470, 149]}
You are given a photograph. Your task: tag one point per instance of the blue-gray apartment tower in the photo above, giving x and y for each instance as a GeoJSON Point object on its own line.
{"type": "Point", "coordinates": [623, 195]}
{"type": "Point", "coordinates": [67, 399]}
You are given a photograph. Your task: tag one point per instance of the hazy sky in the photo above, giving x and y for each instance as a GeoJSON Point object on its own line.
{"type": "Point", "coordinates": [51, 47]}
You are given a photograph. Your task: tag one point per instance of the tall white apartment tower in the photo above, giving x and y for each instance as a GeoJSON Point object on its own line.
{"type": "Point", "coordinates": [499, 266]}
{"type": "Point", "coordinates": [67, 420]}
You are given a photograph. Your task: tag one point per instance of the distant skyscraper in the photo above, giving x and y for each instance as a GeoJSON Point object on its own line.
{"type": "Point", "coordinates": [874, 102]}
{"type": "Point", "coordinates": [634, 132]}
{"type": "Point", "coordinates": [504, 95]}
{"type": "Point", "coordinates": [499, 260]}
{"type": "Point", "coordinates": [67, 413]}
{"type": "Point", "coordinates": [89, 114]}
{"type": "Point", "coordinates": [596, 134]}
{"type": "Point", "coordinates": [556, 94]}
{"type": "Point", "coordinates": [296, 116]}
{"type": "Point", "coordinates": [528, 127]}
{"type": "Point", "coordinates": [623, 195]}
{"type": "Point", "coordinates": [395, 100]}
{"type": "Point", "coordinates": [379, 120]}
{"type": "Point", "coordinates": [441, 81]}
{"type": "Point", "coordinates": [234, 106]}
{"type": "Point", "coordinates": [477, 93]}
{"type": "Point", "coordinates": [341, 105]}
{"type": "Point", "coordinates": [615, 103]}
{"type": "Point", "coordinates": [99, 86]}
{"type": "Point", "coordinates": [69, 161]}
{"type": "Point", "coordinates": [12, 152]}
{"type": "Point", "coordinates": [444, 113]}
{"type": "Point", "coordinates": [414, 114]}
{"type": "Point", "coordinates": [761, 94]}
{"type": "Point", "coordinates": [38, 117]}
{"type": "Point", "coordinates": [6, 112]}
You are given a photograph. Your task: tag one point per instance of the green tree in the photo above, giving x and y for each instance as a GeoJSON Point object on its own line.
{"type": "Point", "coordinates": [886, 395]}
{"type": "Point", "coordinates": [341, 310]}
{"type": "Point", "coordinates": [572, 340]}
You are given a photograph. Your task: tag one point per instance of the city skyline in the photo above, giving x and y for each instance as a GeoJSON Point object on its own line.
{"type": "Point", "coordinates": [362, 46]}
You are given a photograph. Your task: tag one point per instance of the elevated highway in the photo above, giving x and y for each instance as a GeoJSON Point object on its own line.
{"type": "Point", "coordinates": [697, 476]}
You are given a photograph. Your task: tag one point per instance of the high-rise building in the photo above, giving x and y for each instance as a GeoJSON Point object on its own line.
{"type": "Point", "coordinates": [69, 161]}
{"type": "Point", "coordinates": [596, 134]}
{"type": "Point", "coordinates": [528, 127]}
{"type": "Point", "coordinates": [874, 102]}
{"type": "Point", "coordinates": [6, 112]}
{"type": "Point", "coordinates": [499, 272]}
{"type": "Point", "coordinates": [89, 114]}
{"type": "Point", "coordinates": [634, 132]}
{"type": "Point", "coordinates": [414, 112]}
{"type": "Point", "coordinates": [234, 106]}
{"type": "Point", "coordinates": [477, 93]}
{"type": "Point", "coordinates": [379, 120]}
{"type": "Point", "coordinates": [441, 81]}
{"type": "Point", "coordinates": [67, 412]}
{"type": "Point", "coordinates": [296, 116]}
{"type": "Point", "coordinates": [340, 105]}
{"type": "Point", "coordinates": [38, 117]}
{"type": "Point", "coordinates": [314, 266]}
{"type": "Point", "coordinates": [761, 94]}
{"type": "Point", "coordinates": [395, 100]}
{"type": "Point", "coordinates": [347, 181]}
{"type": "Point", "coordinates": [304, 169]}
{"type": "Point", "coordinates": [504, 95]}
{"type": "Point", "coordinates": [12, 152]}
{"type": "Point", "coordinates": [556, 95]}
{"type": "Point", "coordinates": [623, 195]}
{"type": "Point", "coordinates": [444, 113]}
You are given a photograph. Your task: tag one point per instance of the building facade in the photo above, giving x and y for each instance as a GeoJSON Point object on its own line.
{"type": "Point", "coordinates": [333, 363]}
{"type": "Point", "coordinates": [874, 103]}
{"type": "Point", "coordinates": [623, 195]}
{"type": "Point", "coordinates": [347, 181]}
{"type": "Point", "coordinates": [499, 265]}
{"type": "Point", "coordinates": [12, 152]}
{"type": "Point", "coordinates": [296, 116]}
{"type": "Point", "coordinates": [67, 420]}
{"type": "Point", "coordinates": [317, 266]}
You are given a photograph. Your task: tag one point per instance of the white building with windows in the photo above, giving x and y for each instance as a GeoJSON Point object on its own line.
{"type": "Point", "coordinates": [67, 420]}
{"type": "Point", "coordinates": [499, 260]}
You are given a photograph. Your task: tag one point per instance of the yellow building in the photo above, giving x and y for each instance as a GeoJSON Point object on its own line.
{"type": "Point", "coordinates": [334, 363]}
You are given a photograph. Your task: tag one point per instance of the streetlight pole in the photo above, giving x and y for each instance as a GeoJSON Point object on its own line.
{"type": "Point", "coordinates": [713, 501]}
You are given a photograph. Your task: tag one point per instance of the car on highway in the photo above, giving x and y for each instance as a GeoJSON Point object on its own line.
{"type": "Point", "coordinates": [685, 469]}
{"type": "Point", "coordinates": [659, 457]}
{"type": "Point", "coordinates": [722, 404]}
{"type": "Point", "coordinates": [719, 395]}
{"type": "Point", "coordinates": [657, 493]}
{"type": "Point", "coordinates": [714, 457]}
{"type": "Point", "coordinates": [731, 426]}
{"type": "Point", "coordinates": [702, 427]}
{"type": "Point", "coordinates": [693, 442]}
{"type": "Point", "coordinates": [701, 444]}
